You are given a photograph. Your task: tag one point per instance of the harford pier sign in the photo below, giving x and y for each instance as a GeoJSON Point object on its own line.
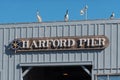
{"type": "Point", "coordinates": [60, 43]}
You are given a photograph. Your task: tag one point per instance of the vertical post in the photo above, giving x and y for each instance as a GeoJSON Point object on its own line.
{"type": "Point", "coordinates": [86, 14]}
{"type": "Point", "coordinates": [0, 75]}
{"type": "Point", "coordinates": [86, 8]}
{"type": "Point", "coordinates": [21, 77]}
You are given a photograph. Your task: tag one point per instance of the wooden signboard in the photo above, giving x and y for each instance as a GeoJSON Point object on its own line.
{"type": "Point", "coordinates": [60, 43]}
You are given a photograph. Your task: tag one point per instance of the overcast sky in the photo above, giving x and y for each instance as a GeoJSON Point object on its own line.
{"type": "Point", "coordinates": [12, 11]}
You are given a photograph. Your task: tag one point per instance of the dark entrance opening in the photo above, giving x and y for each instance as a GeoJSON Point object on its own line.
{"type": "Point", "coordinates": [58, 73]}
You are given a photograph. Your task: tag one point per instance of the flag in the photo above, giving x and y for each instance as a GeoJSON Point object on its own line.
{"type": "Point", "coordinates": [82, 12]}
{"type": "Point", "coordinates": [112, 15]}
{"type": "Point", "coordinates": [66, 17]}
{"type": "Point", "coordinates": [39, 17]}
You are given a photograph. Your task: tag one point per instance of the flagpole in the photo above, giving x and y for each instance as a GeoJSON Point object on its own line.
{"type": "Point", "coordinates": [86, 14]}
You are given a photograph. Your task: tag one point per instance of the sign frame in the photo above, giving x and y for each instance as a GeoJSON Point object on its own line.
{"type": "Point", "coordinates": [90, 42]}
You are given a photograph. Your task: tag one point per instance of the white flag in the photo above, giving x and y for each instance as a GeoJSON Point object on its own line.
{"type": "Point", "coordinates": [66, 17]}
{"type": "Point", "coordinates": [82, 12]}
{"type": "Point", "coordinates": [39, 17]}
